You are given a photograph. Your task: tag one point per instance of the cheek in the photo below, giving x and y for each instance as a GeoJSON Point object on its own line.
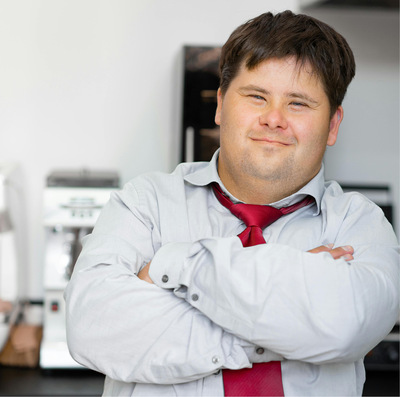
{"type": "Point", "coordinates": [314, 150]}
{"type": "Point", "coordinates": [237, 113]}
{"type": "Point", "coordinates": [233, 127]}
{"type": "Point", "coordinates": [312, 133]}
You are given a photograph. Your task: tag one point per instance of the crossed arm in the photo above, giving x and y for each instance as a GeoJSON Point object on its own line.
{"type": "Point", "coordinates": [346, 252]}
{"type": "Point", "coordinates": [135, 331]}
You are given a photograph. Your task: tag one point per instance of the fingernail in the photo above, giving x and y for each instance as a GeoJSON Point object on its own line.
{"type": "Point", "coordinates": [348, 257]}
{"type": "Point", "coordinates": [330, 246]}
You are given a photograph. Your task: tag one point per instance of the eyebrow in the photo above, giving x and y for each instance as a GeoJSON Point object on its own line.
{"type": "Point", "coordinates": [251, 87]}
{"type": "Point", "coordinates": [305, 97]}
{"type": "Point", "coordinates": [294, 95]}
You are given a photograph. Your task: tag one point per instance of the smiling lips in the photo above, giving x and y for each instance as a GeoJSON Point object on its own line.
{"type": "Point", "coordinates": [270, 141]}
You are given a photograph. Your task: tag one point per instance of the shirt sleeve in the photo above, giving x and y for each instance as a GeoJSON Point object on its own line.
{"type": "Point", "coordinates": [131, 330]}
{"type": "Point", "coordinates": [302, 306]}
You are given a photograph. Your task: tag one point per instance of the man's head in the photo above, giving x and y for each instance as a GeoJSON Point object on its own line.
{"type": "Point", "coordinates": [289, 35]}
{"type": "Point", "coordinates": [283, 79]}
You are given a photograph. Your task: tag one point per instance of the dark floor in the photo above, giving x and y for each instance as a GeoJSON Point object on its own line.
{"type": "Point", "coordinates": [36, 382]}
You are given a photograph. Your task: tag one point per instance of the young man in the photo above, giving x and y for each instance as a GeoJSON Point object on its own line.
{"type": "Point", "coordinates": [167, 300]}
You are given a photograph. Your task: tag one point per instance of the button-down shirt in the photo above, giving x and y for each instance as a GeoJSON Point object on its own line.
{"type": "Point", "coordinates": [215, 304]}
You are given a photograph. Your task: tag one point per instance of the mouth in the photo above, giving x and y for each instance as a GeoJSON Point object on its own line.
{"type": "Point", "coordinates": [270, 141]}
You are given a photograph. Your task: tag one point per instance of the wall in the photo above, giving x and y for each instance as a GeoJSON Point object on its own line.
{"type": "Point", "coordinates": [96, 83]}
{"type": "Point", "coordinates": [368, 146]}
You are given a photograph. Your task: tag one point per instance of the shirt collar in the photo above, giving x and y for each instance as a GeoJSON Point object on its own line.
{"type": "Point", "coordinates": [208, 174]}
{"type": "Point", "coordinates": [205, 175]}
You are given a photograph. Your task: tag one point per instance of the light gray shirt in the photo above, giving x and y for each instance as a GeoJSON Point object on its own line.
{"type": "Point", "coordinates": [218, 305]}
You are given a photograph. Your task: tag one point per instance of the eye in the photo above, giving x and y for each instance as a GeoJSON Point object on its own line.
{"type": "Point", "coordinates": [257, 98]}
{"type": "Point", "coordinates": [298, 104]}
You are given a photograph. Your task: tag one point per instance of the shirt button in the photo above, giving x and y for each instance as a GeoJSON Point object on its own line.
{"type": "Point", "coordinates": [165, 278]}
{"type": "Point", "coordinates": [259, 350]}
{"type": "Point", "coordinates": [215, 360]}
{"type": "Point", "coordinates": [195, 297]}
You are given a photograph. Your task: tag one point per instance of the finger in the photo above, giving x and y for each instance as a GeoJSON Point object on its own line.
{"type": "Point", "coordinates": [322, 248]}
{"type": "Point", "coordinates": [346, 252]}
{"type": "Point", "coordinates": [144, 274]}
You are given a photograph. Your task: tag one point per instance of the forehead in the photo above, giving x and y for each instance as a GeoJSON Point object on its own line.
{"type": "Point", "coordinates": [289, 70]}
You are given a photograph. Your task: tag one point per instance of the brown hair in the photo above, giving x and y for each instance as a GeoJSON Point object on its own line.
{"type": "Point", "coordinates": [287, 34]}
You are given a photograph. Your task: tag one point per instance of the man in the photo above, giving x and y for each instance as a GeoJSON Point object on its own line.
{"type": "Point", "coordinates": [167, 300]}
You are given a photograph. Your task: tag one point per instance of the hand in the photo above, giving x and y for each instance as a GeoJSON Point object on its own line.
{"type": "Point", "coordinates": [345, 252]}
{"type": "Point", "coordinates": [144, 274]}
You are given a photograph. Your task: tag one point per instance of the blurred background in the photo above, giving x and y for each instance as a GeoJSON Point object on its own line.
{"type": "Point", "coordinates": [96, 89]}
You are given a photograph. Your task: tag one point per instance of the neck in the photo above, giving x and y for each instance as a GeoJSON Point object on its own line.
{"type": "Point", "coordinates": [263, 192]}
{"type": "Point", "coordinates": [251, 194]}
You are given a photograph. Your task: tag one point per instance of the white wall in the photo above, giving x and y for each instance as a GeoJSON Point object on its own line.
{"type": "Point", "coordinates": [96, 83]}
{"type": "Point", "coordinates": [368, 146]}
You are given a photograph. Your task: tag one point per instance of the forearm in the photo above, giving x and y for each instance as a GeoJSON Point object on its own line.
{"type": "Point", "coordinates": [303, 306]}
{"type": "Point", "coordinates": [137, 332]}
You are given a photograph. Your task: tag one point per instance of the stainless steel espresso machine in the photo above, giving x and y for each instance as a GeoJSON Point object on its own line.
{"type": "Point", "coordinates": [72, 203]}
{"type": "Point", "coordinates": [11, 200]}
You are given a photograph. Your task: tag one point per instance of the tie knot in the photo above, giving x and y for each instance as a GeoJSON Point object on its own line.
{"type": "Point", "coordinates": [256, 215]}
{"type": "Point", "coordinates": [250, 214]}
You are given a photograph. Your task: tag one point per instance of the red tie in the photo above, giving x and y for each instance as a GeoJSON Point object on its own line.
{"type": "Point", "coordinates": [263, 379]}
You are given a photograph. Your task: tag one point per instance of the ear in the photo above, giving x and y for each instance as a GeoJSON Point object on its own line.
{"type": "Point", "coordinates": [219, 107]}
{"type": "Point", "coordinates": [334, 126]}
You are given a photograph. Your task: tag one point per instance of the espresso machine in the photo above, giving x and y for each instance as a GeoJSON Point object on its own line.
{"type": "Point", "coordinates": [72, 203]}
{"type": "Point", "coordinates": [10, 228]}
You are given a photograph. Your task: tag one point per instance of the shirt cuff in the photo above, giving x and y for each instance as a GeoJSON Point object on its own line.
{"type": "Point", "coordinates": [167, 264]}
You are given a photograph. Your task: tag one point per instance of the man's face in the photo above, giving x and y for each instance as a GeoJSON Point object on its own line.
{"type": "Point", "coordinates": [275, 124]}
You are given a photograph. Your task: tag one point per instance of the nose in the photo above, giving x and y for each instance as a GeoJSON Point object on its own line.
{"type": "Point", "coordinates": [274, 118]}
